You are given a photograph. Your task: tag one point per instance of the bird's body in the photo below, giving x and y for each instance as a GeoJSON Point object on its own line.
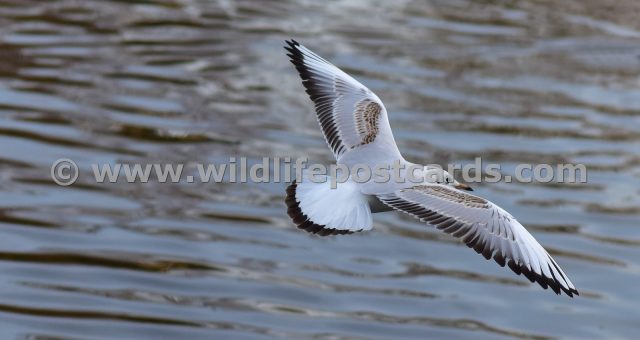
{"type": "Point", "coordinates": [355, 124]}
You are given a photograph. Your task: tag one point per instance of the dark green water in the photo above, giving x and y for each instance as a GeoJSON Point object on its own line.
{"type": "Point", "coordinates": [199, 81]}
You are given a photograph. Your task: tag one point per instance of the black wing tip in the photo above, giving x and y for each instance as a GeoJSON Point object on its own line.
{"type": "Point", "coordinates": [292, 47]}
{"type": "Point", "coordinates": [302, 221]}
{"type": "Point", "coordinates": [292, 43]}
{"type": "Point", "coordinates": [543, 281]}
{"type": "Point", "coordinates": [477, 243]}
{"type": "Point", "coordinates": [519, 268]}
{"type": "Point", "coordinates": [297, 57]}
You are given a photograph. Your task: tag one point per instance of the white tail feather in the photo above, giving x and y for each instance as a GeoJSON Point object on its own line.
{"type": "Point", "coordinates": [342, 208]}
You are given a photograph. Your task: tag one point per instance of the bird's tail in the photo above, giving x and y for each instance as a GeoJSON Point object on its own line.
{"type": "Point", "coordinates": [320, 209]}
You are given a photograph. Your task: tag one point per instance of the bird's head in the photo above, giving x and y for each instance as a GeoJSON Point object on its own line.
{"type": "Point", "coordinates": [438, 175]}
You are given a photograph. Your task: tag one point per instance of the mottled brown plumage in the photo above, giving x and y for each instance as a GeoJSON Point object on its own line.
{"type": "Point", "coordinates": [367, 116]}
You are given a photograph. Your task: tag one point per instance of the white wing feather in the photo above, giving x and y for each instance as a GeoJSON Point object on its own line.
{"type": "Point", "coordinates": [351, 116]}
{"type": "Point", "coordinates": [485, 227]}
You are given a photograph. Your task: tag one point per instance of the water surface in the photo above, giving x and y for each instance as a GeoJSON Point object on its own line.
{"type": "Point", "coordinates": [200, 81]}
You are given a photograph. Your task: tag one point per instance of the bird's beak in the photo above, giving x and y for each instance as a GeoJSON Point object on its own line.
{"type": "Point", "coordinates": [463, 187]}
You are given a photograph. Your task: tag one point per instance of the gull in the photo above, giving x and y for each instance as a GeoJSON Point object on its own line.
{"type": "Point", "coordinates": [356, 127]}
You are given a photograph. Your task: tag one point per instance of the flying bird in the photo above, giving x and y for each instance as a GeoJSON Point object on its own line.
{"type": "Point", "coordinates": [356, 127]}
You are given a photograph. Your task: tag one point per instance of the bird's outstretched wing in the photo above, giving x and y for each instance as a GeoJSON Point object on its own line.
{"type": "Point", "coordinates": [351, 116]}
{"type": "Point", "coordinates": [485, 227]}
